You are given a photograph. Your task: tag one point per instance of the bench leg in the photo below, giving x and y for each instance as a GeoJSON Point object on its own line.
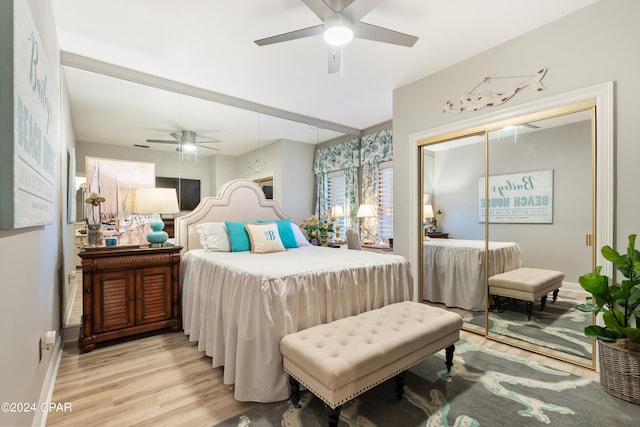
{"type": "Point", "coordinates": [555, 294]}
{"type": "Point", "coordinates": [295, 391]}
{"type": "Point", "coordinates": [400, 384]}
{"type": "Point", "coordinates": [449, 357]}
{"type": "Point", "coordinates": [529, 309]}
{"type": "Point", "coordinates": [543, 302]}
{"type": "Point", "coordinates": [334, 415]}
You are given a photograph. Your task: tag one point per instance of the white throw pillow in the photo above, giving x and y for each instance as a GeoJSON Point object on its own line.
{"type": "Point", "coordinates": [213, 236]}
{"type": "Point", "coordinates": [300, 237]}
{"type": "Point", "coordinates": [264, 237]}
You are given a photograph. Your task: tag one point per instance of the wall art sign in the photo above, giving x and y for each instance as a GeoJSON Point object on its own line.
{"type": "Point", "coordinates": [525, 197]}
{"type": "Point", "coordinates": [34, 158]}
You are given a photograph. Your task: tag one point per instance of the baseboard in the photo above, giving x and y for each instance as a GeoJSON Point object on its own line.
{"type": "Point", "coordinates": [71, 333]}
{"type": "Point", "coordinates": [40, 418]}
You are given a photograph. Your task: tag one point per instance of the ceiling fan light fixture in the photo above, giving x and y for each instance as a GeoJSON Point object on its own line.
{"type": "Point", "coordinates": [189, 146]}
{"type": "Point", "coordinates": [338, 31]}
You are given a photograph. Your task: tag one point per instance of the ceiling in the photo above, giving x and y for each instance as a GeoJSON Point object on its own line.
{"type": "Point", "coordinates": [217, 82]}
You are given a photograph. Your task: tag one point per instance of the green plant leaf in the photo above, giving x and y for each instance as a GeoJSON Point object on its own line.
{"type": "Point", "coordinates": [600, 333]}
{"type": "Point", "coordinates": [587, 308]}
{"type": "Point", "coordinates": [614, 320]}
{"type": "Point", "coordinates": [594, 282]}
{"type": "Point", "coordinates": [632, 333]}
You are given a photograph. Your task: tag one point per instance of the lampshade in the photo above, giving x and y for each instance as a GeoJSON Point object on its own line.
{"type": "Point", "coordinates": [337, 211]}
{"type": "Point", "coordinates": [427, 211]}
{"type": "Point", "coordinates": [156, 200]}
{"type": "Point", "coordinates": [338, 31]}
{"type": "Point", "coordinates": [366, 211]}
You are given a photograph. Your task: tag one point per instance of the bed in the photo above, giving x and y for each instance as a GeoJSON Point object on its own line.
{"type": "Point", "coordinates": [454, 270]}
{"type": "Point", "coordinates": [239, 305]}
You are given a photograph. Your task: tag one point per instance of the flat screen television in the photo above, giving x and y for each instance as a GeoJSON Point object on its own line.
{"type": "Point", "coordinates": [188, 190]}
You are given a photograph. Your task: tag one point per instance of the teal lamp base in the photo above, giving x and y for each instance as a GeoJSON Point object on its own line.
{"type": "Point", "coordinates": [157, 237]}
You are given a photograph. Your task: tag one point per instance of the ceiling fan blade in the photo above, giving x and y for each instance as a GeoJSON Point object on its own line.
{"type": "Point", "coordinates": [176, 135]}
{"type": "Point", "coordinates": [293, 35]}
{"type": "Point", "coordinates": [209, 140]}
{"type": "Point", "coordinates": [161, 141]}
{"type": "Point", "coordinates": [210, 148]}
{"type": "Point", "coordinates": [357, 10]}
{"type": "Point", "coordinates": [335, 59]}
{"type": "Point", "coordinates": [322, 10]}
{"type": "Point", "coordinates": [384, 35]}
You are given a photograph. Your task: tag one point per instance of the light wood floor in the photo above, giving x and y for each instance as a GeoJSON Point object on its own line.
{"type": "Point", "coordinates": [162, 379]}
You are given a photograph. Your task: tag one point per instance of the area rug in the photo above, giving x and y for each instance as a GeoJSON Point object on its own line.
{"type": "Point", "coordinates": [559, 326]}
{"type": "Point", "coordinates": [485, 388]}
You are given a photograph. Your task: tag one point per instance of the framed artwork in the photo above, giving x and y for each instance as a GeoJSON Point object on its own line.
{"type": "Point", "coordinates": [116, 181]}
{"type": "Point", "coordinates": [518, 198]}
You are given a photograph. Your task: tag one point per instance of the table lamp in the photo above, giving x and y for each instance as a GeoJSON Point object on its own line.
{"type": "Point", "coordinates": [337, 212]}
{"type": "Point", "coordinates": [366, 211]}
{"type": "Point", "coordinates": [156, 201]}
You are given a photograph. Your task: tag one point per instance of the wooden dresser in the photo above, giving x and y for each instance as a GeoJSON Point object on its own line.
{"type": "Point", "coordinates": [128, 291]}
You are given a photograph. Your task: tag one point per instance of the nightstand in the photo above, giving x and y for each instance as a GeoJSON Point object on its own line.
{"type": "Point", "coordinates": [438, 235]}
{"type": "Point", "coordinates": [127, 291]}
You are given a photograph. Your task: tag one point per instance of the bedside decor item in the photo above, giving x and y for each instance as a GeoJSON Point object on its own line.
{"type": "Point", "coordinates": [337, 212]}
{"type": "Point", "coordinates": [94, 219]}
{"type": "Point", "coordinates": [366, 211]}
{"type": "Point", "coordinates": [156, 201]}
{"type": "Point", "coordinates": [318, 228]}
{"type": "Point", "coordinates": [619, 338]}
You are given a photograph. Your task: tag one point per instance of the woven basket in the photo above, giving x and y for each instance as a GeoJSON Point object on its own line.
{"type": "Point", "coordinates": [620, 372]}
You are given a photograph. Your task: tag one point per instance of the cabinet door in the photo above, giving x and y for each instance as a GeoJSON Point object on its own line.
{"type": "Point", "coordinates": [153, 294]}
{"type": "Point", "coordinates": [114, 302]}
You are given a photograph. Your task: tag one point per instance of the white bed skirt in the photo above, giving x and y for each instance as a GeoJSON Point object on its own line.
{"type": "Point", "coordinates": [239, 314]}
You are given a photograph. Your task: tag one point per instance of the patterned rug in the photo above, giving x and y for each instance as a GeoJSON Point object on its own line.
{"type": "Point", "coordinates": [486, 387]}
{"type": "Point", "coordinates": [559, 326]}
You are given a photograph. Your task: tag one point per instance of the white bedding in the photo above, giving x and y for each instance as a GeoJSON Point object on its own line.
{"type": "Point", "coordinates": [239, 305]}
{"type": "Point", "coordinates": [454, 270]}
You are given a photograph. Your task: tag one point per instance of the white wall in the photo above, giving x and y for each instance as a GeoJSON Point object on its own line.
{"type": "Point", "coordinates": [32, 262]}
{"type": "Point", "coordinates": [591, 46]}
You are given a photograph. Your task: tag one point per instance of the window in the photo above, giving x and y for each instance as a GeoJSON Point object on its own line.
{"type": "Point", "coordinates": [335, 195]}
{"type": "Point", "coordinates": [384, 180]}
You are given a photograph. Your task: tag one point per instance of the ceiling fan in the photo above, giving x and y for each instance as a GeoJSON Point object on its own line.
{"type": "Point", "coordinates": [186, 141]}
{"type": "Point", "coordinates": [340, 24]}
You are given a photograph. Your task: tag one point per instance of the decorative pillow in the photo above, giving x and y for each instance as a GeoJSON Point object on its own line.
{"type": "Point", "coordinates": [301, 239]}
{"type": "Point", "coordinates": [264, 238]}
{"type": "Point", "coordinates": [285, 230]}
{"type": "Point", "coordinates": [238, 237]}
{"type": "Point", "coordinates": [213, 236]}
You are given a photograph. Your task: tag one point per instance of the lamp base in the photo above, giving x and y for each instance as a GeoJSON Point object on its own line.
{"type": "Point", "coordinates": [157, 236]}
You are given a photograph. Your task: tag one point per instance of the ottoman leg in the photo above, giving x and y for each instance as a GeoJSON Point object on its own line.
{"type": "Point", "coordinates": [295, 391]}
{"type": "Point", "coordinates": [449, 357]}
{"type": "Point", "coordinates": [543, 302]}
{"type": "Point", "coordinates": [334, 415]}
{"type": "Point", "coordinates": [529, 309]}
{"type": "Point", "coordinates": [555, 294]}
{"type": "Point", "coordinates": [400, 384]}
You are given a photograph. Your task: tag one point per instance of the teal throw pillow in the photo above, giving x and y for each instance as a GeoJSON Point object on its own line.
{"type": "Point", "coordinates": [238, 237]}
{"type": "Point", "coordinates": [286, 232]}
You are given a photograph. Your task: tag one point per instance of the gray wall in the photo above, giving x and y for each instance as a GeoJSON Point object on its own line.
{"type": "Point", "coordinates": [591, 46]}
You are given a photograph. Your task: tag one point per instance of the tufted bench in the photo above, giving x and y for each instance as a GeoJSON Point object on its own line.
{"type": "Point", "coordinates": [527, 284]}
{"type": "Point", "coordinates": [340, 360]}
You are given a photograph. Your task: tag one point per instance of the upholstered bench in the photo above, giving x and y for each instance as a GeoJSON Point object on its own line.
{"type": "Point", "coordinates": [340, 360]}
{"type": "Point", "coordinates": [527, 284]}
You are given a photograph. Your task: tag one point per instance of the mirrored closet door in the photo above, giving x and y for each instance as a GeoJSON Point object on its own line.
{"type": "Point", "coordinates": [518, 195]}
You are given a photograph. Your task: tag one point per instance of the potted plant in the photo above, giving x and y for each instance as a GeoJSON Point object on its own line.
{"type": "Point", "coordinates": [619, 338]}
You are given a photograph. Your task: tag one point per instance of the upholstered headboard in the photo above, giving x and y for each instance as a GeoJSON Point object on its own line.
{"type": "Point", "coordinates": [237, 200]}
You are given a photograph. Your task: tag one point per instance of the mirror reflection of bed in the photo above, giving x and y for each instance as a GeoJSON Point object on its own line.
{"type": "Point", "coordinates": [239, 301]}
{"type": "Point", "coordinates": [541, 233]}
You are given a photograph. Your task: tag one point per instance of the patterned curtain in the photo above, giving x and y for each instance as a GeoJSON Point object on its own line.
{"type": "Point", "coordinates": [374, 149]}
{"type": "Point", "coordinates": [345, 157]}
